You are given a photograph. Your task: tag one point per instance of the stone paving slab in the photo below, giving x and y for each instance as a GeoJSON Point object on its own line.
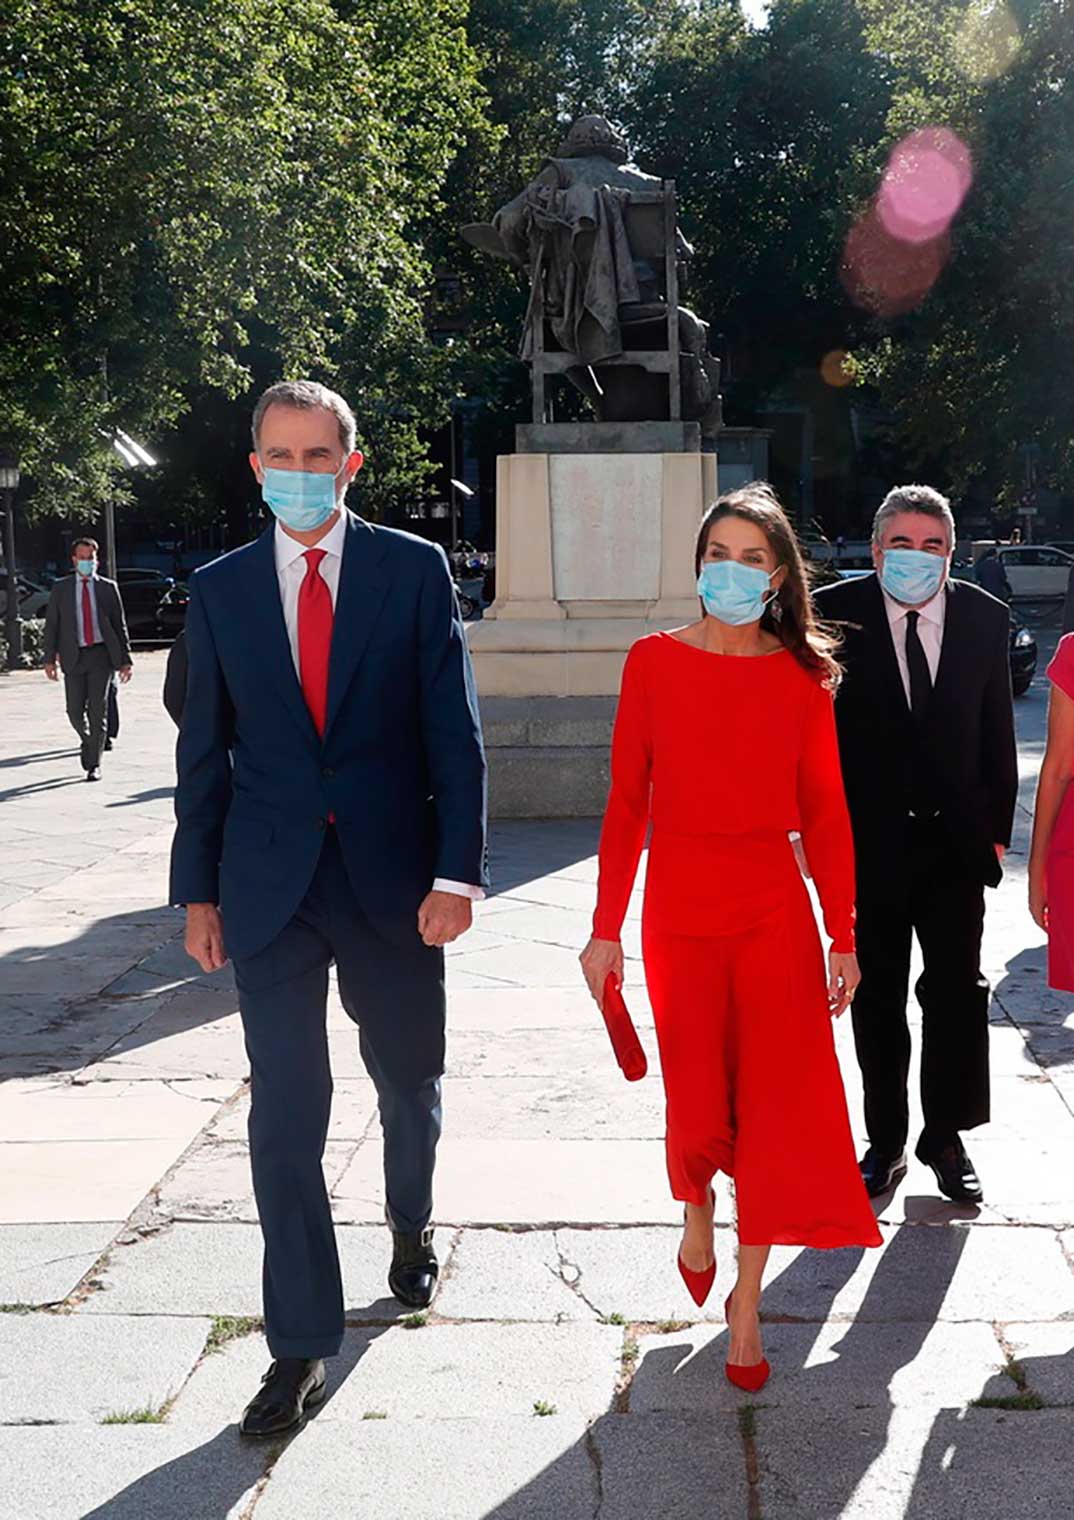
{"type": "Point", "coordinates": [1045, 1354]}
{"type": "Point", "coordinates": [449, 1469]}
{"type": "Point", "coordinates": [56, 1367]}
{"type": "Point", "coordinates": [860, 1365]}
{"type": "Point", "coordinates": [214, 1181]}
{"type": "Point", "coordinates": [43, 1263]}
{"type": "Point", "coordinates": [46, 1182]}
{"type": "Point", "coordinates": [675, 1466]}
{"type": "Point", "coordinates": [843, 1463]}
{"type": "Point", "coordinates": [525, 1182]}
{"type": "Point", "coordinates": [496, 1010]}
{"type": "Point", "coordinates": [188, 1037]}
{"type": "Point", "coordinates": [477, 1370]}
{"type": "Point", "coordinates": [212, 1269]}
{"type": "Point", "coordinates": [569, 1106]}
{"type": "Point", "coordinates": [145, 1472]}
{"type": "Point", "coordinates": [151, 1110]}
{"type": "Point", "coordinates": [509, 1275]}
{"type": "Point", "coordinates": [515, 1053]}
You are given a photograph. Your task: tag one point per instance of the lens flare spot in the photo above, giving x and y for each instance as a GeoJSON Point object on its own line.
{"type": "Point", "coordinates": [888, 275]}
{"type": "Point", "coordinates": [987, 42]}
{"type": "Point", "coordinates": [834, 370]}
{"type": "Point", "coordinates": [926, 180]}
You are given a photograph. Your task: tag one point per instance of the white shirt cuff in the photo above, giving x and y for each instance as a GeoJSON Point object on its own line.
{"type": "Point", "coordinates": [460, 889]}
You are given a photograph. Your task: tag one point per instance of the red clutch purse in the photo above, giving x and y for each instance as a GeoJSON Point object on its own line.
{"type": "Point", "coordinates": [621, 1032]}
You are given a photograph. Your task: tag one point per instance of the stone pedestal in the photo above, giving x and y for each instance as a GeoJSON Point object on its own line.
{"type": "Point", "coordinates": [593, 551]}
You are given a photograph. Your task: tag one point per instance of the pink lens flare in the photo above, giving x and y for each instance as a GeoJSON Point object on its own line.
{"type": "Point", "coordinates": [927, 178]}
{"type": "Point", "coordinates": [885, 274]}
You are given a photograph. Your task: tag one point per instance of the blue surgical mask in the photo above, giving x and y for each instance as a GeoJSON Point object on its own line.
{"type": "Point", "coordinates": [302, 499]}
{"type": "Point", "coordinates": [86, 567]}
{"type": "Point", "coordinates": [734, 593]}
{"type": "Point", "coordinates": [911, 575]}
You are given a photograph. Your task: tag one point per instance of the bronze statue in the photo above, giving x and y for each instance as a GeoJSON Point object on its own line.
{"type": "Point", "coordinates": [598, 240]}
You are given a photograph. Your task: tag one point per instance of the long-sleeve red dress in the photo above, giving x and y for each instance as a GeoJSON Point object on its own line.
{"type": "Point", "coordinates": [725, 755]}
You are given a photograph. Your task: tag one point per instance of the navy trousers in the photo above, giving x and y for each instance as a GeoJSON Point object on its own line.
{"type": "Point", "coordinates": [392, 986]}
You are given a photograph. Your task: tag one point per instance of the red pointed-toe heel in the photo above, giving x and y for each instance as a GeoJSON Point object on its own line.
{"type": "Point", "coordinates": [749, 1379]}
{"type": "Point", "coordinates": [698, 1284]}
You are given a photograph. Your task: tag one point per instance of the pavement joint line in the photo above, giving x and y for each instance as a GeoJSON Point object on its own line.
{"type": "Point", "coordinates": [596, 1463]}
{"type": "Point", "coordinates": [575, 1283]}
{"type": "Point", "coordinates": [746, 1417]}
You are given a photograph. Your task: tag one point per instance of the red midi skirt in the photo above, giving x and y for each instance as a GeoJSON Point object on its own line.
{"type": "Point", "coordinates": [738, 985]}
{"type": "Point", "coordinates": [1060, 887]}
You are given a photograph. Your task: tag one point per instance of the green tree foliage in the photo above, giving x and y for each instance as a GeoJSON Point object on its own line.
{"type": "Point", "coordinates": [204, 194]}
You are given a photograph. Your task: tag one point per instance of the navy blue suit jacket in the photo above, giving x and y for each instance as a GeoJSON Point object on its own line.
{"type": "Point", "coordinates": [401, 766]}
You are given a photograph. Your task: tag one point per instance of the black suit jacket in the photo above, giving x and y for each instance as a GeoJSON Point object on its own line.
{"type": "Point", "coordinates": [61, 627]}
{"type": "Point", "coordinates": [967, 736]}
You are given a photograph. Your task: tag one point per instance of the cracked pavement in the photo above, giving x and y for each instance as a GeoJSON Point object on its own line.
{"type": "Point", "coordinates": [562, 1372]}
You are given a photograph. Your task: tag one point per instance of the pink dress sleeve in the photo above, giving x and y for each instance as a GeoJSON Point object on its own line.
{"type": "Point", "coordinates": [1061, 668]}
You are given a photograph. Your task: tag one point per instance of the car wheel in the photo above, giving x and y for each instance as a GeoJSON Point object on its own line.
{"type": "Point", "coordinates": [467, 606]}
{"type": "Point", "coordinates": [1021, 685]}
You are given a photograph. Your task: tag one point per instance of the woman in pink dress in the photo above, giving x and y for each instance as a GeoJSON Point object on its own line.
{"type": "Point", "coordinates": [1051, 856]}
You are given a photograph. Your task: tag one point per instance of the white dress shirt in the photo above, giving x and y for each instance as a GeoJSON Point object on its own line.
{"type": "Point", "coordinates": [930, 619]}
{"type": "Point", "coordinates": [291, 572]}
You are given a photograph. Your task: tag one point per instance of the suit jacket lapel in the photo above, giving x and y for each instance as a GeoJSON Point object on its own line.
{"type": "Point", "coordinates": [363, 586]}
{"type": "Point", "coordinates": [268, 631]}
{"type": "Point", "coordinates": [886, 662]}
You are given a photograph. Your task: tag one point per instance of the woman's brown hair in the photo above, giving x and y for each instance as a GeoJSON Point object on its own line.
{"type": "Point", "coordinates": [789, 615]}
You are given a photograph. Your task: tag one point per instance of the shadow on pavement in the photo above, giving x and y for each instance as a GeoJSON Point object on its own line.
{"type": "Point", "coordinates": [210, 1479]}
{"type": "Point", "coordinates": [34, 788]}
{"type": "Point", "coordinates": [44, 754]}
{"type": "Point", "coordinates": [154, 794]}
{"type": "Point", "coordinates": [914, 1271]}
{"type": "Point", "coordinates": [525, 849]}
{"type": "Point", "coordinates": [1040, 1012]}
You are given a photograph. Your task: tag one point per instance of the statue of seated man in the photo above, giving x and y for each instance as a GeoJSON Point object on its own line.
{"type": "Point", "coordinates": [599, 296]}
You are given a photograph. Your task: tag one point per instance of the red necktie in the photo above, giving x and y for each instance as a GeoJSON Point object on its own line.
{"type": "Point", "coordinates": [314, 638]}
{"type": "Point", "coordinates": [87, 615]}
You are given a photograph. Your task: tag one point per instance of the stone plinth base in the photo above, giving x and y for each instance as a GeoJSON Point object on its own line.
{"type": "Point", "coordinates": [548, 756]}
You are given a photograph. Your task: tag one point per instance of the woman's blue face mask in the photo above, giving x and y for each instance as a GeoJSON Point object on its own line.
{"type": "Point", "coordinates": [734, 593]}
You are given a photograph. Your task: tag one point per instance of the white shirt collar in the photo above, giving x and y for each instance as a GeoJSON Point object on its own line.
{"type": "Point", "coordinates": [931, 611]}
{"type": "Point", "coordinates": [288, 549]}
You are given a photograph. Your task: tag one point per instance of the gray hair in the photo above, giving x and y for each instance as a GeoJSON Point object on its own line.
{"type": "Point", "coordinates": [921, 499]}
{"type": "Point", "coordinates": [304, 396]}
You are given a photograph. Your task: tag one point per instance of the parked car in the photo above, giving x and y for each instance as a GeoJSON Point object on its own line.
{"type": "Point", "coordinates": [1023, 657]}
{"type": "Point", "coordinates": [1036, 571]}
{"type": "Point", "coordinates": [143, 592]}
{"type": "Point", "coordinates": [32, 597]}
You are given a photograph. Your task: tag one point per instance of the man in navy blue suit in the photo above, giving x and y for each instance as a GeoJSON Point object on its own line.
{"type": "Point", "coordinates": [331, 807]}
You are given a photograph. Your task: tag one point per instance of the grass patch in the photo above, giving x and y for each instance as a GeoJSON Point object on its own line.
{"type": "Point", "coordinates": [542, 1407]}
{"type": "Point", "coordinates": [229, 1327]}
{"type": "Point", "coordinates": [375, 1414]}
{"type": "Point", "coordinates": [612, 1319]}
{"type": "Point", "coordinates": [415, 1321]}
{"type": "Point", "coordinates": [146, 1416]}
{"type": "Point", "coordinates": [747, 1422]}
{"type": "Point", "coordinates": [631, 1350]}
{"type": "Point", "coordinates": [17, 1308]}
{"type": "Point", "coordinates": [1023, 1400]}
{"type": "Point", "coordinates": [670, 1326]}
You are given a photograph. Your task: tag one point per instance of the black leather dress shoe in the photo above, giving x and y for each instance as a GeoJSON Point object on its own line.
{"type": "Point", "coordinates": [290, 1387]}
{"type": "Point", "coordinates": [414, 1269]}
{"type": "Point", "coordinates": [953, 1168]}
{"type": "Point", "coordinates": [881, 1172]}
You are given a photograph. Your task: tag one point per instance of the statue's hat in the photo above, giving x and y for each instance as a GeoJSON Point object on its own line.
{"type": "Point", "coordinates": [594, 136]}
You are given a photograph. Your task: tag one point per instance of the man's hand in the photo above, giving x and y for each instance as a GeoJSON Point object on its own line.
{"type": "Point", "coordinates": [125, 672]}
{"type": "Point", "coordinates": [50, 670]}
{"type": "Point", "coordinates": [443, 916]}
{"type": "Point", "coordinates": [205, 936]}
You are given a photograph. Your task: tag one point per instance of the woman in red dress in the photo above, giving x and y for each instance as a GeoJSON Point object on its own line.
{"type": "Point", "coordinates": [1051, 855]}
{"type": "Point", "coordinates": [725, 740]}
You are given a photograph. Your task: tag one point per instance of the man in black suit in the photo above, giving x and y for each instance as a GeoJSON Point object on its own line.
{"type": "Point", "coordinates": [85, 626]}
{"type": "Point", "coordinates": [926, 735]}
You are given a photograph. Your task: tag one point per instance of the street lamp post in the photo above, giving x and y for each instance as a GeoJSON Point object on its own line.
{"type": "Point", "coordinates": [9, 484]}
{"type": "Point", "coordinates": [458, 488]}
{"type": "Point", "coordinates": [133, 455]}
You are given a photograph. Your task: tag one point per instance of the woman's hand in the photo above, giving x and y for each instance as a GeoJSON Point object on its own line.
{"type": "Point", "coordinates": [844, 976]}
{"type": "Point", "coordinates": [1038, 900]}
{"type": "Point", "coordinates": [600, 957]}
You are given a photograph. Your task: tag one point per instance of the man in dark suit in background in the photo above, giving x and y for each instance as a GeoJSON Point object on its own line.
{"type": "Point", "coordinates": [86, 628]}
{"type": "Point", "coordinates": [926, 735]}
{"type": "Point", "coordinates": [331, 807]}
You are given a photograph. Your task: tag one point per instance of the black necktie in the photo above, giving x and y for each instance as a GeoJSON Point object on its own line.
{"type": "Point", "coordinates": [918, 666]}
